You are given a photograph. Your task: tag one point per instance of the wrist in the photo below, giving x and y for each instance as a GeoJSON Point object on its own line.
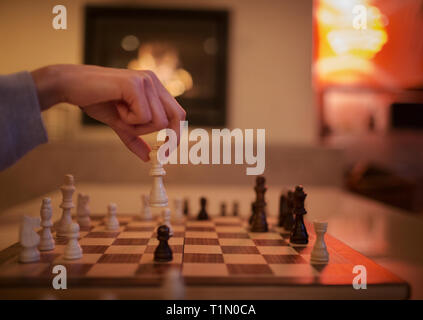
{"type": "Point", "coordinates": [48, 83]}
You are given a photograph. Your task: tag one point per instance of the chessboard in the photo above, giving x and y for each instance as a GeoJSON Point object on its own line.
{"type": "Point", "coordinates": [216, 253]}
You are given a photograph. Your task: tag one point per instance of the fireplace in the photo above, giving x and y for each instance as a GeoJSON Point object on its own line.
{"type": "Point", "coordinates": [187, 49]}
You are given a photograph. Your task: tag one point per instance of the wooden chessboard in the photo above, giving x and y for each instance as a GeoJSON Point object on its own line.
{"type": "Point", "coordinates": [219, 252]}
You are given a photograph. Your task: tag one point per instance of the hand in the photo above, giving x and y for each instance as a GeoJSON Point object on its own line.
{"type": "Point", "coordinates": [131, 102]}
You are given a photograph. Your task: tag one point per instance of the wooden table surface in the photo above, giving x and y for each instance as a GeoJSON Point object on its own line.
{"type": "Point", "coordinates": [389, 236]}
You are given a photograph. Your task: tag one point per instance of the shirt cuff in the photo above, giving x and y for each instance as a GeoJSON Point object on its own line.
{"type": "Point", "coordinates": [21, 124]}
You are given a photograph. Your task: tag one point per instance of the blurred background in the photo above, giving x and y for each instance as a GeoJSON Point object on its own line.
{"type": "Point", "coordinates": [341, 106]}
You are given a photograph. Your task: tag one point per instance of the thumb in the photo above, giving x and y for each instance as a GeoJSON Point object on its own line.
{"type": "Point", "coordinates": [134, 143]}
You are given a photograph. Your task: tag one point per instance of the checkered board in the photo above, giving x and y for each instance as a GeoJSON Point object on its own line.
{"type": "Point", "coordinates": [217, 252]}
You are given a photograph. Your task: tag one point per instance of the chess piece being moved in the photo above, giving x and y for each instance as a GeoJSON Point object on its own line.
{"type": "Point", "coordinates": [46, 241]}
{"type": "Point", "coordinates": [320, 254]}
{"type": "Point", "coordinates": [112, 223]}
{"type": "Point", "coordinates": [163, 252]}
{"type": "Point", "coordinates": [166, 220]}
{"type": "Point", "coordinates": [223, 209]}
{"type": "Point", "coordinates": [83, 211]}
{"type": "Point", "coordinates": [235, 209]}
{"type": "Point", "coordinates": [259, 221]}
{"type": "Point", "coordinates": [179, 208]}
{"type": "Point", "coordinates": [158, 196]}
{"type": "Point", "coordinates": [288, 223]}
{"type": "Point", "coordinates": [67, 191]}
{"type": "Point", "coordinates": [299, 233]}
{"type": "Point", "coordinates": [203, 215]}
{"type": "Point", "coordinates": [73, 250]}
{"type": "Point", "coordinates": [29, 240]}
{"type": "Point", "coordinates": [283, 209]}
{"type": "Point", "coordinates": [146, 210]}
{"type": "Point", "coordinates": [186, 208]}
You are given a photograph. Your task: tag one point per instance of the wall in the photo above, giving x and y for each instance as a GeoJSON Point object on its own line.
{"type": "Point", "coordinates": [269, 67]}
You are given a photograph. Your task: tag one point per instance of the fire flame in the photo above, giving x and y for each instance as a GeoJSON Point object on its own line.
{"type": "Point", "coordinates": [164, 61]}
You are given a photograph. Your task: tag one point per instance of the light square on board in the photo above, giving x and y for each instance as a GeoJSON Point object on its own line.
{"type": "Point", "coordinates": [199, 234]}
{"type": "Point", "coordinates": [136, 235]}
{"type": "Point", "coordinates": [236, 242]}
{"type": "Point", "coordinates": [233, 229]}
{"type": "Point", "coordinates": [201, 249]}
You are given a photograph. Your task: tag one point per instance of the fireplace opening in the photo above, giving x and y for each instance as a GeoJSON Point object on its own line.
{"type": "Point", "coordinates": [187, 50]}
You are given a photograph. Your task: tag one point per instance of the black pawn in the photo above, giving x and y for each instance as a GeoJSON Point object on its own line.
{"type": "Point", "coordinates": [283, 210]}
{"type": "Point", "coordinates": [288, 223]}
{"type": "Point", "coordinates": [223, 209]}
{"type": "Point", "coordinates": [186, 207]}
{"type": "Point", "coordinates": [259, 221]}
{"type": "Point", "coordinates": [299, 233]}
{"type": "Point", "coordinates": [203, 215]}
{"type": "Point", "coordinates": [253, 210]}
{"type": "Point", "coordinates": [235, 211]}
{"type": "Point", "coordinates": [163, 252]}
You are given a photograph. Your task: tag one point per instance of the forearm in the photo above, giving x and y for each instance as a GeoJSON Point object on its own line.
{"type": "Point", "coordinates": [48, 81]}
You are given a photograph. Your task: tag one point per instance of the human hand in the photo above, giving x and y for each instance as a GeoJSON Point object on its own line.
{"type": "Point", "coordinates": [131, 102]}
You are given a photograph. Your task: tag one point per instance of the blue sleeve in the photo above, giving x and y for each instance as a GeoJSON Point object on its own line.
{"type": "Point", "coordinates": [21, 125]}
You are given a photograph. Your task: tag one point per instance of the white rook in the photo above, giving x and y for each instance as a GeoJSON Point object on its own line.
{"type": "Point", "coordinates": [320, 254]}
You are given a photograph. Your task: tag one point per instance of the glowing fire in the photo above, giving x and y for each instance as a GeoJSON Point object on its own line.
{"type": "Point", "coordinates": [344, 53]}
{"type": "Point", "coordinates": [164, 61]}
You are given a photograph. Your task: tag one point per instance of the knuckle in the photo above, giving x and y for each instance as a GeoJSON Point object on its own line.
{"type": "Point", "coordinates": [162, 123]}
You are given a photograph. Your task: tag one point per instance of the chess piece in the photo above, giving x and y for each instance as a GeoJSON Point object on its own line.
{"type": "Point", "coordinates": [146, 210]}
{"type": "Point", "coordinates": [178, 213]}
{"type": "Point", "coordinates": [163, 252]}
{"type": "Point", "coordinates": [73, 250]}
{"type": "Point", "coordinates": [29, 240]}
{"type": "Point", "coordinates": [186, 207]}
{"type": "Point", "coordinates": [83, 211]}
{"type": "Point", "coordinates": [223, 209]}
{"type": "Point", "coordinates": [112, 222]}
{"type": "Point", "coordinates": [235, 211]}
{"type": "Point", "coordinates": [320, 254]}
{"type": "Point", "coordinates": [203, 215]}
{"type": "Point", "coordinates": [67, 191]}
{"type": "Point", "coordinates": [253, 210]}
{"type": "Point", "coordinates": [158, 196]}
{"type": "Point", "coordinates": [259, 221]}
{"type": "Point", "coordinates": [299, 233]}
{"type": "Point", "coordinates": [166, 220]}
{"type": "Point", "coordinates": [46, 241]}
{"type": "Point", "coordinates": [283, 209]}
{"type": "Point", "coordinates": [288, 223]}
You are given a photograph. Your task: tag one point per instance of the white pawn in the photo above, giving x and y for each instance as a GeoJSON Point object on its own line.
{"type": "Point", "coordinates": [112, 222]}
{"type": "Point", "coordinates": [179, 208]}
{"type": "Point", "coordinates": [73, 250]}
{"type": "Point", "coordinates": [320, 254]}
{"type": "Point", "coordinates": [47, 241]}
{"type": "Point", "coordinates": [166, 220]}
{"type": "Point", "coordinates": [146, 210]}
{"type": "Point", "coordinates": [173, 287]}
{"type": "Point", "coordinates": [83, 211]}
{"type": "Point", "coordinates": [29, 240]}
